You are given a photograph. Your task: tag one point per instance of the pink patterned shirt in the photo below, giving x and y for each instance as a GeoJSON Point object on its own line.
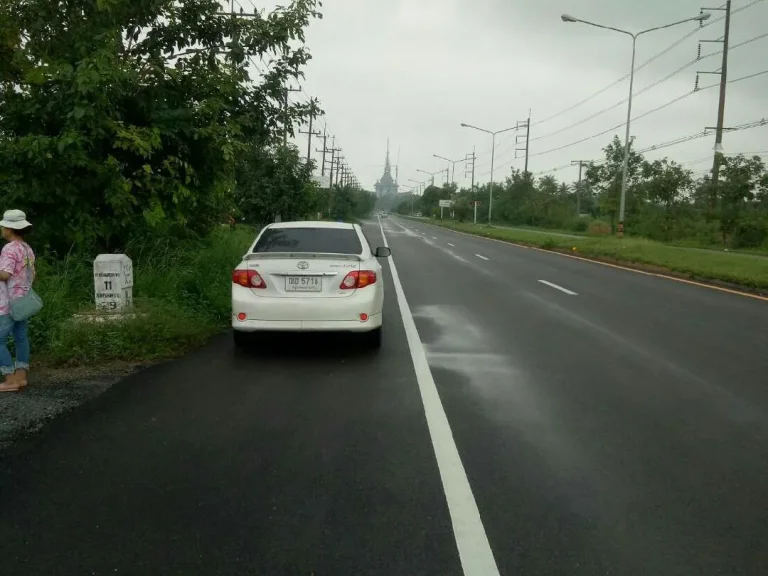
{"type": "Point", "coordinates": [15, 257]}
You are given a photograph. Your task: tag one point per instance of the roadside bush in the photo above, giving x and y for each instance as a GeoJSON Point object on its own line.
{"type": "Point", "coordinates": [599, 228]}
{"type": "Point", "coordinates": [181, 297]}
{"type": "Point", "coordinates": [749, 234]}
{"type": "Point", "coordinates": [579, 225]}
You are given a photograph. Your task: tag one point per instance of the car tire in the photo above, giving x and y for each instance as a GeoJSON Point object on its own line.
{"type": "Point", "coordinates": [241, 339]}
{"type": "Point", "coordinates": [374, 339]}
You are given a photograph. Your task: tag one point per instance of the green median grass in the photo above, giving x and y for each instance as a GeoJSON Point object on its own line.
{"type": "Point", "coordinates": [182, 296]}
{"type": "Point", "coordinates": [737, 269]}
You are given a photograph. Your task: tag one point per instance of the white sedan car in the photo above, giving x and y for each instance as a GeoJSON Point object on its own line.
{"type": "Point", "coordinates": [309, 276]}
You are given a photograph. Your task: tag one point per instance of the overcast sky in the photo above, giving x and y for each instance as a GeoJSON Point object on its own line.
{"type": "Point", "coordinates": [413, 70]}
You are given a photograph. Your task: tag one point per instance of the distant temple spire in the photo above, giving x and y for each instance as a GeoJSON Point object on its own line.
{"type": "Point", "coordinates": [386, 184]}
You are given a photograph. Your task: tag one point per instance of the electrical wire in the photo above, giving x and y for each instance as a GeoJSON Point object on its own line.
{"type": "Point", "coordinates": [326, 128]}
{"type": "Point", "coordinates": [647, 88]}
{"type": "Point", "coordinates": [502, 144]}
{"type": "Point", "coordinates": [682, 140]}
{"type": "Point", "coordinates": [652, 59]}
{"type": "Point", "coordinates": [645, 114]}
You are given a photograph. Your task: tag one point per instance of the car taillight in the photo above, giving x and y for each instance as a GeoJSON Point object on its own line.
{"type": "Point", "coordinates": [248, 279]}
{"type": "Point", "coordinates": [358, 279]}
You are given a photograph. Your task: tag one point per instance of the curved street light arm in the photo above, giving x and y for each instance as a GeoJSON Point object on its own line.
{"type": "Point", "coordinates": [476, 128]}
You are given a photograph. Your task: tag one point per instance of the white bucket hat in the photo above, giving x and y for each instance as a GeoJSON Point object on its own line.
{"type": "Point", "coordinates": [15, 220]}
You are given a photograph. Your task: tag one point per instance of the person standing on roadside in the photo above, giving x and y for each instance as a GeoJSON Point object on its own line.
{"type": "Point", "coordinates": [17, 272]}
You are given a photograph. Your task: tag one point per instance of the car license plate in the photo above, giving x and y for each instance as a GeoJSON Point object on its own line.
{"type": "Point", "coordinates": [303, 284]}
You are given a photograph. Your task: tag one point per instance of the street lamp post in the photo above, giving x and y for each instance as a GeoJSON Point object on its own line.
{"type": "Point", "coordinates": [430, 174]}
{"type": "Point", "coordinates": [419, 184]}
{"type": "Point", "coordinates": [451, 163]}
{"type": "Point", "coordinates": [634, 36]}
{"type": "Point", "coordinates": [493, 155]}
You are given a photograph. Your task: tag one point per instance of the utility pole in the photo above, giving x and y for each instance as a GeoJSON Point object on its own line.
{"type": "Point", "coordinates": [581, 164]}
{"type": "Point", "coordinates": [339, 168]}
{"type": "Point", "coordinates": [286, 90]}
{"type": "Point", "coordinates": [721, 105]}
{"type": "Point", "coordinates": [309, 132]}
{"type": "Point", "coordinates": [467, 171]}
{"type": "Point", "coordinates": [334, 161]}
{"type": "Point", "coordinates": [324, 151]}
{"type": "Point", "coordinates": [527, 125]}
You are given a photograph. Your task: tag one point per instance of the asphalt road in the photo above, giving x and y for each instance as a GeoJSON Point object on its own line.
{"type": "Point", "coordinates": [527, 414]}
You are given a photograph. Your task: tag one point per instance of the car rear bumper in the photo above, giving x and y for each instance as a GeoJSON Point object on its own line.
{"type": "Point", "coordinates": [307, 314]}
{"type": "Point", "coordinates": [372, 323]}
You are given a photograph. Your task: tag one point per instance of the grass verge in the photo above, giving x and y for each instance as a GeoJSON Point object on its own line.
{"type": "Point", "coordinates": [733, 269]}
{"type": "Point", "coordinates": [181, 297]}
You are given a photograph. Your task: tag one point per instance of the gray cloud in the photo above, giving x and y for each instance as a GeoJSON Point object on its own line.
{"type": "Point", "coordinates": [412, 70]}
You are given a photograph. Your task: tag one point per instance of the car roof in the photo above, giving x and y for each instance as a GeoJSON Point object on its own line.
{"type": "Point", "coordinates": [313, 224]}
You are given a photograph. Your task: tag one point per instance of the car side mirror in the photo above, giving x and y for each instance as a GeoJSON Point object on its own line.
{"type": "Point", "coordinates": [383, 252]}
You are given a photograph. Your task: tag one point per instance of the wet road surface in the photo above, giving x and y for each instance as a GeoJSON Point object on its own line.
{"type": "Point", "coordinates": [527, 414]}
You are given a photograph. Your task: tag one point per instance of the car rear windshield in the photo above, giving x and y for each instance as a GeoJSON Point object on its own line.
{"type": "Point", "coordinates": [317, 240]}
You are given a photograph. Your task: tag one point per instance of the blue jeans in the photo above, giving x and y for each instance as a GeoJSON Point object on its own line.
{"type": "Point", "coordinates": [19, 330]}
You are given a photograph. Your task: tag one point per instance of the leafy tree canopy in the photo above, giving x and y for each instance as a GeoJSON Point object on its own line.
{"type": "Point", "coordinates": [120, 118]}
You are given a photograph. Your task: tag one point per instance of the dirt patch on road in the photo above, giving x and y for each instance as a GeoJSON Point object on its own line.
{"type": "Point", "coordinates": [51, 392]}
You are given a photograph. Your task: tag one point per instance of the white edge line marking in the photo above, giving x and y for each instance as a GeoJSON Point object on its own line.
{"type": "Point", "coordinates": [482, 257]}
{"type": "Point", "coordinates": [556, 287]}
{"type": "Point", "coordinates": [449, 244]}
{"type": "Point", "coordinates": [471, 540]}
{"type": "Point", "coordinates": [434, 237]}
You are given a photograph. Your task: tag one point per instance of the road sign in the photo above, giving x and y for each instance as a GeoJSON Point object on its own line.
{"type": "Point", "coordinates": [446, 203]}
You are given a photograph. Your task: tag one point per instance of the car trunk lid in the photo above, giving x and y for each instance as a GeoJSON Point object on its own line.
{"type": "Point", "coordinates": [303, 274]}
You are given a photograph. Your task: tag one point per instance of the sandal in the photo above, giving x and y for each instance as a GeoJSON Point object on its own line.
{"type": "Point", "coordinates": [12, 383]}
{"type": "Point", "coordinates": [21, 379]}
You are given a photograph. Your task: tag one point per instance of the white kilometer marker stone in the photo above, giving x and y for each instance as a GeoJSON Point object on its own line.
{"type": "Point", "coordinates": [556, 287]}
{"type": "Point", "coordinates": [471, 540]}
{"type": "Point", "coordinates": [481, 257]}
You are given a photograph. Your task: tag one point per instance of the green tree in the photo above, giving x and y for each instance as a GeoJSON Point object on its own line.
{"type": "Point", "coordinates": [742, 187]}
{"type": "Point", "coordinates": [350, 204]}
{"type": "Point", "coordinates": [605, 179]}
{"type": "Point", "coordinates": [275, 180]}
{"type": "Point", "coordinates": [124, 118]}
{"type": "Point", "coordinates": [666, 185]}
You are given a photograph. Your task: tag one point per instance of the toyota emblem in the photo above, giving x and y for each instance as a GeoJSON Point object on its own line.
{"type": "Point", "coordinates": [303, 265]}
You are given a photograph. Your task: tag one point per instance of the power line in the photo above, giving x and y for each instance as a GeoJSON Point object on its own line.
{"type": "Point", "coordinates": [641, 66]}
{"type": "Point", "coordinates": [677, 141]}
{"type": "Point", "coordinates": [645, 114]}
{"type": "Point", "coordinates": [652, 59]}
{"type": "Point", "coordinates": [256, 13]}
{"type": "Point", "coordinates": [647, 88]}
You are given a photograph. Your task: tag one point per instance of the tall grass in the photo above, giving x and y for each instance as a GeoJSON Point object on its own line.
{"type": "Point", "coordinates": [181, 297]}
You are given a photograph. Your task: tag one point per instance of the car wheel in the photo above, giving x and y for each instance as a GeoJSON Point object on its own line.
{"type": "Point", "coordinates": [241, 339]}
{"type": "Point", "coordinates": [374, 339]}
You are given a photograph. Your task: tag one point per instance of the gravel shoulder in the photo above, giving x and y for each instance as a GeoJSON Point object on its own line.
{"type": "Point", "coordinates": [52, 392]}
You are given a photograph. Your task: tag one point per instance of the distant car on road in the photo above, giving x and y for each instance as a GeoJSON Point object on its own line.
{"type": "Point", "coordinates": [309, 277]}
